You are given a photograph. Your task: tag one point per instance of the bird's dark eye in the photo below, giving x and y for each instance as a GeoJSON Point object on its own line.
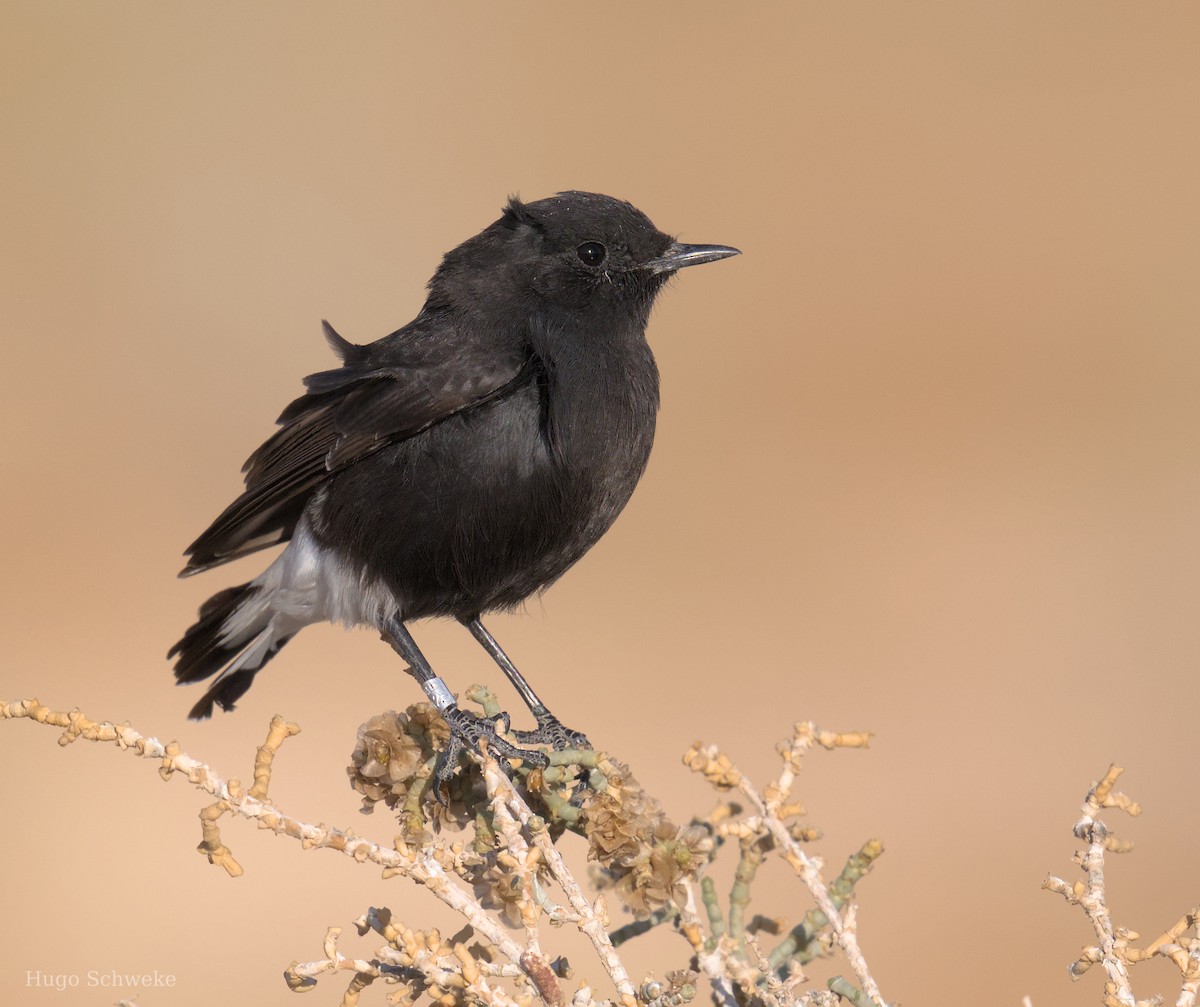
{"type": "Point", "coordinates": [591, 253]}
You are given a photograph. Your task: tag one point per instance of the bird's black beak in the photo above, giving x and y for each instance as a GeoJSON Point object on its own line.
{"type": "Point", "coordinates": [677, 256]}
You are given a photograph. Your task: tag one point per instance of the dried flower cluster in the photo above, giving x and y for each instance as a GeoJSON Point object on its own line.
{"type": "Point", "coordinates": [642, 855]}
{"type": "Point", "coordinates": [491, 856]}
{"type": "Point", "coordinates": [393, 748]}
{"type": "Point", "coordinates": [1114, 950]}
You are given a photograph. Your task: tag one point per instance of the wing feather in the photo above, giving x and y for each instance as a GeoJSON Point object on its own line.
{"type": "Point", "coordinates": [346, 415]}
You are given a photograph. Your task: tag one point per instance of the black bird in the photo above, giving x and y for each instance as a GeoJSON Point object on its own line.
{"type": "Point", "coordinates": [458, 465]}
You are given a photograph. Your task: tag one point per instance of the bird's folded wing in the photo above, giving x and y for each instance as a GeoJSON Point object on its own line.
{"type": "Point", "coordinates": [346, 415]}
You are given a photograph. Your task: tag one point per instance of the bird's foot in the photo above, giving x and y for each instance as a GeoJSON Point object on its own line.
{"type": "Point", "coordinates": [467, 732]}
{"type": "Point", "coordinates": [551, 731]}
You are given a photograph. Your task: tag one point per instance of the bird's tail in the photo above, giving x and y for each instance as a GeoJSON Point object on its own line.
{"type": "Point", "coordinates": [233, 638]}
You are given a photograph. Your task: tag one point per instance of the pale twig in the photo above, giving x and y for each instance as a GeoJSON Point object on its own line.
{"type": "Point", "coordinates": [796, 945]}
{"type": "Point", "coordinates": [1114, 951]}
{"type": "Point", "coordinates": [419, 864]}
{"type": "Point", "coordinates": [711, 955]}
{"type": "Point", "coordinates": [720, 770]}
{"type": "Point", "coordinates": [513, 863]}
{"type": "Point", "coordinates": [593, 921]}
{"type": "Point", "coordinates": [414, 958]}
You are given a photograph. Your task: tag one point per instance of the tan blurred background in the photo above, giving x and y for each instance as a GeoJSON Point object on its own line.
{"type": "Point", "coordinates": [928, 460]}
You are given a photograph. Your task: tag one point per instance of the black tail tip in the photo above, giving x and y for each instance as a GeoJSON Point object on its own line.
{"type": "Point", "coordinates": [224, 692]}
{"type": "Point", "coordinates": [202, 710]}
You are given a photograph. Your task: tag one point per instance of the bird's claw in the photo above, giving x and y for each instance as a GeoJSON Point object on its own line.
{"type": "Point", "coordinates": [551, 731]}
{"type": "Point", "coordinates": [468, 731]}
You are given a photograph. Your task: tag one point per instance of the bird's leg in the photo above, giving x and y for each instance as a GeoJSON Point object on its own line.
{"type": "Point", "coordinates": [550, 730]}
{"type": "Point", "coordinates": [467, 729]}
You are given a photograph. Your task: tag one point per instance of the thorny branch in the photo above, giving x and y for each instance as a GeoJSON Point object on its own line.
{"type": "Point", "coordinates": [1114, 950]}
{"type": "Point", "coordinates": [506, 876]}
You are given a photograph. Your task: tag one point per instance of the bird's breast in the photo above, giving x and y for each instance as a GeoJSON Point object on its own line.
{"type": "Point", "coordinates": [489, 506]}
{"type": "Point", "coordinates": [598, 434]}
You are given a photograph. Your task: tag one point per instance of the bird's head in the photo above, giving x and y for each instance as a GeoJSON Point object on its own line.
{"type": "Point", "coordinates": [575, 253]}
